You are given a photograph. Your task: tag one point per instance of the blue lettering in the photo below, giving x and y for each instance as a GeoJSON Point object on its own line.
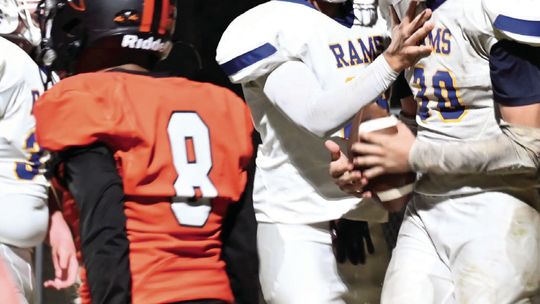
{"type": "Point", "coordinates": [369, 53]}
{"type": "Point", "coordinates": [435, 41]}
{"type": "Point", "coordinates": [446, 36]}
{"type": "Point", "coordinates": [337, 50]}
{"type": "Point", "coordinates": [353, 54]}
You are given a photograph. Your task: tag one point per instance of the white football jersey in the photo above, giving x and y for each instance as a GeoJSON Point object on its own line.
{"type": "Point", "coordinates": [292, 184]}
{"type": "Point", "coordinates": [517, 20]}
{"type": "Point", "coordinates": [21, 159]}
{"type": "Point", "coordinates": [453, 90]}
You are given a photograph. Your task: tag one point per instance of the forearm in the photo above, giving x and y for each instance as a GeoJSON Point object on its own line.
{"type": "Point", "coordinates": [515, 151]}
{"type": "Point", "coordinates": [295, 90]}
{"type": "Point", "coordinates": [57, 226]}
{"type": "Point", "coordinates": [93, 181]}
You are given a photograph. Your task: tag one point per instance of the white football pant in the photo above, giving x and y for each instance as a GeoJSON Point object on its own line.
{"type": "Point", "coordinates": [480, 249]}
{"type": "Point", "coordinates": [297, 266]}
{"type": "Point", "coordinates": [18, 262]}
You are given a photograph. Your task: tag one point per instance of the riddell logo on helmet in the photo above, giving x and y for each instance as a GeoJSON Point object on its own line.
{"type": "Point", "coordinates": [134, 42]}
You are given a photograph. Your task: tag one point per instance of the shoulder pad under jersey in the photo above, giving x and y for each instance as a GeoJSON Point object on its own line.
{"type": "Point", "coordinates": [263, 38]}
{"type": "Point", "coordinates": [517, 20]}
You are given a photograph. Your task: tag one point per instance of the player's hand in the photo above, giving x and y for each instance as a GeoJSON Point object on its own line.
{"type": "Point", "coordinates": [350, 241]}
{"type": "Point", "coordinates": [405, 49]}
{"type": "Point", "coordinates": [380, 153]}
{"type": "Point", "coordinates": [342, 171]}
{"type": "Point", "coordinates": [63, 254]}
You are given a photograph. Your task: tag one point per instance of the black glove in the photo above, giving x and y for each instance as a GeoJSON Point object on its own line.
{"type": "Point", "coordinates": [350, 239]}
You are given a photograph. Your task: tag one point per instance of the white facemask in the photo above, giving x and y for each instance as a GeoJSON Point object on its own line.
{"type": "Point", "coordinates": [18, 21]}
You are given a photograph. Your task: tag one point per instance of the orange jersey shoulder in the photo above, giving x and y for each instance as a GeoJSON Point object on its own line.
{"type": "Point", "coordinates": [170, 136]}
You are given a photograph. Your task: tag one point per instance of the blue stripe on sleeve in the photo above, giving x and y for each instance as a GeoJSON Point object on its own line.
{"type": "Point", "coordinates": [236, 64]}
{"type": "Point", "coordinates": [517, 26]}
{"type": "Point", "coordinates": [434, 4]}
{"type": "Point", "coordinates": [515, 73]}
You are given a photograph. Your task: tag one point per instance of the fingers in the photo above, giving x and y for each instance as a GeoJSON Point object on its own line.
{"type": "Point", "coordinates": [65, 269]}
{"type": "Point", "coordinates": [373, 172]}
{"type": "Point", "coordinates": [411, 11]}
{"type": "Point", "coordinates": [367, 161]}
{"type": "Point", "coordinates": [72, 270]}
{"type": "Point", "coordinates": [369, 242]}
{"type": "Point", "coordinates": [420, 35]}
{"type": "Point", "coordinates": [338, 248]}
{"type": "Point", "coordinates": [56, 265]}
{"type": "Point", "coordinates": [352, 185]}
{"type": "Point", "coordinates": [67, 279]}
{"type": "Point", "coordinates": [419, 21]}
{"type": "Point", "coordinates": [367, 194]}
{"type": "Point", "coordinates": [334, 149]}
{"type": "Point", "coordinates": [367, 148]}
{"type": "Point", "coordinates": [395, 17]}
{"type": "Point", "coordinates": [338, 169]}
{"type": "Point", "coordinates": [356, 251]}
{"type": "Point", "coordinates": [49, 284]}
{"type": "Point", "coordinates": [63, 259]}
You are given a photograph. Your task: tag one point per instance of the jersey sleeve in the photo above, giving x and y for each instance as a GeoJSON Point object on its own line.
{"type": "Point", "coordinates": [255, 43]}
{"type": "Point", "coordinates": [513, 67]}
{"type": "Point", "coordinates": [516, 20]}
{"type": "Point", "coordinates": [13, 83]}
{"type": "Point", "coordinates": [68, 116]}
{"type": "Point", "coordinates": [239, 118]}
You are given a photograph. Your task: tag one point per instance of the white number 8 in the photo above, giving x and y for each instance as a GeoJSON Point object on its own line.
{"type": "Point", "coordinates": [192, 158]}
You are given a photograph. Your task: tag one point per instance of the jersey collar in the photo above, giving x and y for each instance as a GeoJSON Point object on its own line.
{"type": "Point", "coordinates": [142, 73]}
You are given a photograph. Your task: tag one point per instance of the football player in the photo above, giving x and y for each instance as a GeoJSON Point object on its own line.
{"type": "Point", "coordinates": [478, 151]}
{"type": "Point", "coordinates": [152, 162]}
{"type": "Point", "coordinates": [306, 67]}
{"type": "Point", "coordinates": [25, 219]}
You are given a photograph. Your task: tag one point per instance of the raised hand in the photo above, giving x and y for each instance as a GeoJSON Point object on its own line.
{"type": "Point", "coordinates": [405, 49]}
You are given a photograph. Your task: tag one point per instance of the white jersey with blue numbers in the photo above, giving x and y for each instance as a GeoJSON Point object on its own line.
{"type": "Point", "coordinates": [292, 184]}
{"type": "Point", "coordinates": [21, 159]}
{"type": "Point", "coordinates": [453, 89]}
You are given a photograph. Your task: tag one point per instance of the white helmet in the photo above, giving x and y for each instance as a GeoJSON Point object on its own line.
{"type": "Point", "coordinates": [335, 1]}
{"type": "Point", "coordinates": [18, 22]}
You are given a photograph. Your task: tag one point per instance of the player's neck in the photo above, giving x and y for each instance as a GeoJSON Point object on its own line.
{"type": "Point", "coordinates": [129, 67]}
{"type": "Point", "coordinates": [330, 9]}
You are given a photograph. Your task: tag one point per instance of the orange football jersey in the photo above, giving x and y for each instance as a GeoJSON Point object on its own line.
{"type": "Point", "coordinates": [182, 149]}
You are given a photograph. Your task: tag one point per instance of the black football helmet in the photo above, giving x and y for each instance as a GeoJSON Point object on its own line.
{"type": "Point", "coordinates": [84, 36]}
